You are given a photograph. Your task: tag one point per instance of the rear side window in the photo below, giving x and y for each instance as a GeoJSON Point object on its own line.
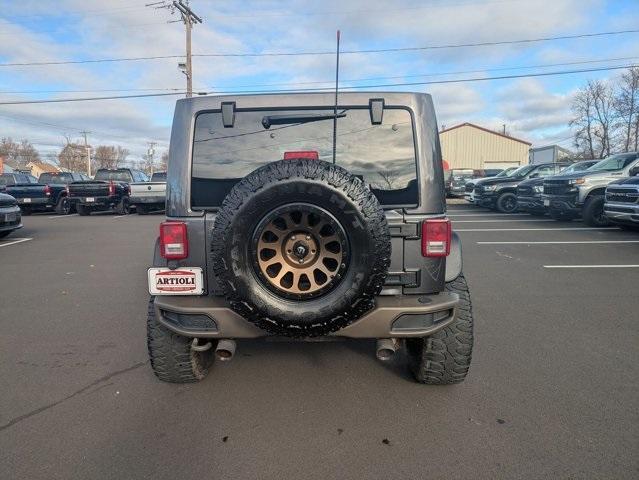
{"type": "Point", "coordinates": [383, 156]}
{"type": "Point", "coordinates": [55, 178]}
{"type": "Point", "coordinates": [158, 177]}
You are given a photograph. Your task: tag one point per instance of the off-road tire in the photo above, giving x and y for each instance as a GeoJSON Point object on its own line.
{"type": "Point", "coordinates": [63, 207]}
{"type": "Point", "coordinates": [172, 359]}
{"type": "Point", "coordinates": [123, 207]}
{"type": "Point", "coordinates": [444, 357]}
{"type": "Point", "coordinates": [506, 203]}
{"type": "Point", "coordinates": [142, 209]}
{"type": "Point", "coordinates": [593, 212]}
{"type": "Point", "coordinates": [83, 210]}
{"type": "Point", "coordinates": [322, 185]}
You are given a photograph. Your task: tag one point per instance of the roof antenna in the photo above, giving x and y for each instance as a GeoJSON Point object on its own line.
{"type": "Point", "coordinates": [335, 108]}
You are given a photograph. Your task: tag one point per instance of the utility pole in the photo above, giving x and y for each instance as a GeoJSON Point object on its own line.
{"type": "Point", "coordinates": [87, 150]}
{"type": "Point", "coordinates": [188, 18]}
{"type": "Point", "coordinates": [150, 153]}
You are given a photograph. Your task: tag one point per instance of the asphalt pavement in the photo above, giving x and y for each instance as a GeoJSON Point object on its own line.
{"type": "Point", "coordinates": [552, 391]}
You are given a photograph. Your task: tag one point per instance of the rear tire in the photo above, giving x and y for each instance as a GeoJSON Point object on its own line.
{"type": "Point", "coordinates": [593, 212]}
{"type": "Point", "coordinates": [83, 210]}
{"type": "Point", "coordinates": [507, 203]}
{"type": "Point", "coordinates": [63, 207]}
{"type": "Point", "coordinates": [172, 359]}
{"type": "Point", "coordinates": [444, 357]}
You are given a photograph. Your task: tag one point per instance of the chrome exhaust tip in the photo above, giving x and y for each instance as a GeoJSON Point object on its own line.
{"type": "Point", "coordinates": [386, 348]}
{"type": "Point", "coordinates": [225, 350]}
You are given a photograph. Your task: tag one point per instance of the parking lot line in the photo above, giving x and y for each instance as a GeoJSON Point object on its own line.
{"type": "Point", "coordinates": [569, 242]}
{"type": "Point", "coordinates": [532, 229]}
{"type": "Point", "coordinates": [17, 240]}
{"type": "Point", "coordinates": [63, 216]}
{"type": "Point", "coordinates": [120, 216]}
{"type": "Point", "coordinates": [487, 214]}
{"type": "Point", "coordinates": [502, 221]}
{"type": "Point", "coordinates": [591, 266]}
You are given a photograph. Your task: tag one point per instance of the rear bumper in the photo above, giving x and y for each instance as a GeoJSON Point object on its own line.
{"type": "Point", "coordinates": [622, 213]}
{"type": "Point", "coordinates": [35, 203]}
{"type": "Point", "coordinates": [393, 316]}
{"type": "Point", "coordinates": [99, 202]}
{"type": "Point", "coordinates": [151, 200]}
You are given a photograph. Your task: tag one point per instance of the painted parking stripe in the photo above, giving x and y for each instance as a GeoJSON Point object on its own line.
{"type": "Point", "coordinates": [498, 220]}
{"type": "Point", "coordinates": [63, 216]}
{"type": "Point", "coordinates": [591, 266]}
{"type": "Point", "coordinates": [17, 240]}
{"type": "Point", "coordinates": [531, 229]}
{"type": "Point", "coordinates": [120, 216]}
{"type": "Point", "coordinates": [570, 242]}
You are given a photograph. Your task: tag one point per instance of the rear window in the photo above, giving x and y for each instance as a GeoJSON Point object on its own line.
{"type": "Point", "coordinates": [118, 175]}
{"type": "Point", "coordinates": [158, 177]}
{"type": "Point", "coordinates": [55, 178]}
{"type": "Point", "coordinates": [383, 156]}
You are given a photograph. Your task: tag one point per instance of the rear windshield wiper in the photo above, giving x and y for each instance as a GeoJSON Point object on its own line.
{"type": "Point", "coordinates": [269, 120]}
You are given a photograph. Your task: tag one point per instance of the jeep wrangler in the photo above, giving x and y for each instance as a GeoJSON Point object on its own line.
{"type": "Point", "coordinates": [289, 216]}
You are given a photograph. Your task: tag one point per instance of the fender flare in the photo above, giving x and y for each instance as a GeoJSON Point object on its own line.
{"type": "Point", "coordinates": [454, 261]}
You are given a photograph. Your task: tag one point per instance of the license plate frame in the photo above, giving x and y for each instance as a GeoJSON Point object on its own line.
{"type": "Point", "coordinates": [26, 200]}
{"type": "Point", "coordinates": [10, 217]}
{"type": "Point", "coordinates": [546, 202]}
{"type": "Point", "coordinates": [179, 281]}
{"type": "Point", "coordinates": [89, 199]}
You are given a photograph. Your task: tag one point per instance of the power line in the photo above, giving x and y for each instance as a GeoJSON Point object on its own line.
{"type": "Point", "coordinates": [292, 54]}
{"type": "Point", "coordinates": [319, 82]}
{"type": "Point", "coordinates": [352, 87]}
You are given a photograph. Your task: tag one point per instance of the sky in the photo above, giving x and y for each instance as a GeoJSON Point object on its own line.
{"type": "Point", "coordinates": [536, 109]}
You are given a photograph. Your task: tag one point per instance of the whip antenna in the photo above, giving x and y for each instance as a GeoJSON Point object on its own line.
{"type": "Point", "coordinates": [335, 107]}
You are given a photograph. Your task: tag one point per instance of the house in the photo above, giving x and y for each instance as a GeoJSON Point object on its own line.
{"type": "Point", "coordinates": [470, 146]}
{"type": "Point", "coordinates": [38, 168]}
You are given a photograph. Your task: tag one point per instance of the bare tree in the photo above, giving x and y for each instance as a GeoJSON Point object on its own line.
{"type": "Point", "coordinates": [594, 116]}
{"type": "Point", "coordinates": [627, 109]}
{"type": "Point", "coordinates": [17, 155]}
{"type": "Point", "coordinates": [164, 161]}
{"type": "Point", "coordinates": [109, 157]}
{"type": "Point", "coordinates": [389, 177]}
{"type": "Point", "coordinates": [73, 156]}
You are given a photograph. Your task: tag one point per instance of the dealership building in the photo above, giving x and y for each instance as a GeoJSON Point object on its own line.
{"type": "Point", "coordinates": [471, 146]}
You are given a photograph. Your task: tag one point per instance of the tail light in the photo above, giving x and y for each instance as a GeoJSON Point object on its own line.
{"type": "Point", "coordinates": [111, 188]}
{"type": "Point", "coordinates": [174, 244]}
{"type": "Point", "coordinates": [47, 190]}
{"type": "Point", "coordinates": [436, 235]}
{"type": "Point", "coordinates": [310, 154]}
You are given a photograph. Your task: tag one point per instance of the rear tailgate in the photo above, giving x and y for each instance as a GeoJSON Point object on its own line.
{"type": "Point", "coordinates": [148, 189]}
{"type": "Point", "coordinates": [27, 192]}
{"type": "Point", "coordinates": [89, 188]}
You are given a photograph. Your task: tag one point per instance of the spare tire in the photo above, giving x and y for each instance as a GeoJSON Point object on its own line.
{"type": "Point", "coordinates": [300, 247]}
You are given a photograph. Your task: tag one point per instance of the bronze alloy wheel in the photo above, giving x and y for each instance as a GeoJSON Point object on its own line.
{"type": "Point", "coordinates": [300, 251]}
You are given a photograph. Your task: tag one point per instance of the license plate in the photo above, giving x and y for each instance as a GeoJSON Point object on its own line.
{"type": "Point", "coordinates": [90, 199]}
{"type": "Point", "coordinates": [181, 281]}
{"type": "Point", "coordinates": [26, 200]}
{"type": "Point", "coordinates": [546, 203]}
{"type": "Point", "coordinates": [10, 217]}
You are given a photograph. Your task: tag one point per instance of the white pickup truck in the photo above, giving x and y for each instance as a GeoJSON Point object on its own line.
{"type": "Point", "coordinates": [148, 196]}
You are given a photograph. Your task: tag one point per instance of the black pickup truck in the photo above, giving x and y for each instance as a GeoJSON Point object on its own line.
{"type": "Point", "coordinates": [109, 190]}
{"type": "Point", "coordinates": [48, 193]}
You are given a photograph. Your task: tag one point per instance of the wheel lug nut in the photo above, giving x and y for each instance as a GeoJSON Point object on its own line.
{"type": "Point", "coordinates": [293, 237]}
{"type": "Point", "coordinates": [308, 237]}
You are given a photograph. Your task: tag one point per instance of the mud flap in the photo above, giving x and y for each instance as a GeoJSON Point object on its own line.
{"type": "Point", "coordinates": [454, 260]}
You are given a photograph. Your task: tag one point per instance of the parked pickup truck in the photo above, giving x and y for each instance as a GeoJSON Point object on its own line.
{"type": "Point", "coordinates": [529, 192]}
{"type": "Point", "coordinates": [109, 190]}
{"type": "Point", "coordinates": [621, 205]}
{"type": "Point", "coordinates": [582, 193]}
{"type": "Point", "coordinates": [15, 178]}
{"type": "Point", "coordinates": [469, 188]}
{"type": "Point", "coordinates": [147, 196]}
{"type": "Point", "coordinates": [48, 194]}
{"type": "Point", "coordinates": [500, 193]}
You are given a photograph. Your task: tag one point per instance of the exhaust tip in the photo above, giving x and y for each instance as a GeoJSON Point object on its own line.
{"type": "Point", "coordinates": [386, 348]}
{"type": "Point", "coordinates": [225, 350]}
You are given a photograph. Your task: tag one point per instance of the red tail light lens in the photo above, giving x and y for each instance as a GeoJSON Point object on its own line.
{"type": "Point", "coordinates": [436, 235]}
{"type": "Point", "coordinates": [174, 244]}
{"type": "Point", "coordinates": [310, 154]}
{"type": "Point", "coordinates": [47, 190]}
{"type": "Point", "coordinates": [111, 188]}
